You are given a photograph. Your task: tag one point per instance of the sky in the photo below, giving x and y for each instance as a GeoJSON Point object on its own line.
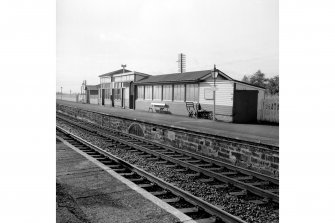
{"type": "Point", "coordinates": [97, 36]}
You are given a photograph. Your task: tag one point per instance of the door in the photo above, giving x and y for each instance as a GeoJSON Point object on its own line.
{"type": "Point", "coordinates": [112, 96]}
{"type": "Point", "coordinates": [103, 97]}
{"type": "Point", "coordinates": [131, 95]}
{"type": "Point", "coordinates": [245, 106]}
{"type": "Point", "coordinates": [122, 98]}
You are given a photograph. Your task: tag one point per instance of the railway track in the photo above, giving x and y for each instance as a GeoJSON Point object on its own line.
{"type": "Point", "coordinates": [208, 170]}
{"type": "Point", "coordinates": [185, 202]}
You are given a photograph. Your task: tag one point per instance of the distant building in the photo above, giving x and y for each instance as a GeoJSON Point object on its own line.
{"type": "Point", "coordinates": [92, 94]}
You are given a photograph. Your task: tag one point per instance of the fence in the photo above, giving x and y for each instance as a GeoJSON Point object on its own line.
{"type": "Point", "coordinates": [69, 97]}
{"type": "Point", "coordinates": [270, 109]}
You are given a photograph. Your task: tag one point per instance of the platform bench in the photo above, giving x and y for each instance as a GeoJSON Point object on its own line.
{"type": "Point", "coordinates": [161, 106]}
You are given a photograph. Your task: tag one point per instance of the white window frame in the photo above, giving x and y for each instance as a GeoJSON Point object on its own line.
{"type": "Point", "coordinates": [140, 98]}
{"type": "Point", "coordinates": [160, 94]}
{"type": "Point", "coordinates": [145, 92]}
{"type": "Point", "coordinates": [170, 94]}
{"type": "Point", "coordinates": [174, 88]}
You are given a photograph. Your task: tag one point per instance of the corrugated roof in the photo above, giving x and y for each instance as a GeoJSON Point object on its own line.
{"type": "Point", "coordinates": [175, 77]}
{"type": "Point", "coordinates": [115, 72]}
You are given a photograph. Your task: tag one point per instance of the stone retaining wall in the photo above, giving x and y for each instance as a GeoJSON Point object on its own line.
{"type": "Point", "coordinates": [263, 159]}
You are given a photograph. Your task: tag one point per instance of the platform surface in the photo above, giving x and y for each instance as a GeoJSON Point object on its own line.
{"type": "Point", "coordinates": [267, 134]}
{"type": "Point", "coordinates": [87, 193]}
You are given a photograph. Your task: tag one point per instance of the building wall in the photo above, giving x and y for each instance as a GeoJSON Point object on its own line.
{"type": "Point", "coordinates": [176, 108]}
{"type": "Point", "coordinates": [224, 98]}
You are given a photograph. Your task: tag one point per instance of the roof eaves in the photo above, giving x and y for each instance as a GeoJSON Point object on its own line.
{"type": "Point", "coordinates": [165, 82]}
{"type": "Point", "coordinates": [241, 82]}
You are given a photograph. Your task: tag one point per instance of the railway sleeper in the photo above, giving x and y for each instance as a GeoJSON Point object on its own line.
{"type": "Point", "coordinates": [260, 183]}
{"type": "Point", "coordinates": [193, 174]}
{"type": "Point", "coordinates": [259, 202]}
{"type": "Point", "coordinates": [153, 158]}
{"type": "Point", "coordinates": [136, 179]}
{"type": "Point", "coordinates": [171, 165]}
{"type": "Point", "coordinates": [181, 169]}
{"type": "Point", "coordinates": [206, 180]}
{"type": "Point", "coordinates": [239, 193]}
{"type": "Point", "coordinates": [188, 210]}
{"type": "Point", "coordinates": [156, 193]}
{"type": "Point", "coordinates": [228, 173]}
{"type": "Point", "coordinates": [127, 174]}
{"type": "Point", "coordinates": [168, 152]}
{"type": "Point", "coordinates": [146, 155]}
{"type": "Point", "coordinates": [194, 161]}
{"type": "Point", "coordinates": [204, 165]}
{"type": "Point", "coordinates": [243, 178]}
{"type": "Point", "coordinates": [273, 190]}
{"type": "Point", "coordinates": [206, 220]}
{"type": "Point", "coordinates": [214, 169]}
{"type": "Point", "coordinates": [177, 156]}
{"type": "Point", "coordinates": [146, 185]}
{"type": "Point", "coordinates": [119, 170]}
{"type": "Point", "coordinates": [161, 162]}
{"type": "Point", "coordinates": [113, 166]}
{"type": "Point", "coordinates": [171, 200]}
{"type": "Point", "coordinates": [185, 158]}
{"type": "Point", "coordinates": [220, 186]}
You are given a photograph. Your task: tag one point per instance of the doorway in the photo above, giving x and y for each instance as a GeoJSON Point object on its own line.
{"type": "Point", "coordinates": [245, 106]}
{"type": "Point", "coordinates": [103, 97]}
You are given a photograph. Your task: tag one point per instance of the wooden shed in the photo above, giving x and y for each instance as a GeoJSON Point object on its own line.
{"type": "Point", "coordinates": [235, 101]}
{"type": "Point", "coordinates": [92, 94]}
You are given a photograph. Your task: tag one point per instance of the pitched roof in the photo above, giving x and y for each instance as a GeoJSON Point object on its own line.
{"type": "Point", "coordinates": [175, 77]}
{"type": "Point", "coordinates": [193, 76]}
{"type": "Point", "coordinates": [114, 72]}
{"type": "Point", "coordinates": [242, 82]}
{"type": "Point", "coordinates": [92, 87]}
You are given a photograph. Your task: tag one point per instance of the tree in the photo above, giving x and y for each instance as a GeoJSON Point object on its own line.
{"type": "Point", "coordinates": [273, 85]}
{"type": "Point", "coordinates": [245, 79]}
{"type": "Point", "coordinates": [258, 79]}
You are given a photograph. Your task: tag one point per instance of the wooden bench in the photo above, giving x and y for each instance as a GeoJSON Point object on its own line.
{"type": "Point", "coordinates": [161, 106]}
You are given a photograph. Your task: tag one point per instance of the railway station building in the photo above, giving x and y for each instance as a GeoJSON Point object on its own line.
{"type": "Point", "coordinates": [117, 88]}
{"type": "Point", "coordinates": [235, 101]}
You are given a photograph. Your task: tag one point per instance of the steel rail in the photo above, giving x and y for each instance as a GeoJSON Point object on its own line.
{"type": "Point", "coordinates": [211, 209]}
{"type": "Point", "coordinates": [241, 185]}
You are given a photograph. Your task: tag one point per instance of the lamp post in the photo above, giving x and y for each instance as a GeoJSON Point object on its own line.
{"type": "Point", "coordinates": [214, 75]}
{"type": "Point", "coordinates": [61, 93]}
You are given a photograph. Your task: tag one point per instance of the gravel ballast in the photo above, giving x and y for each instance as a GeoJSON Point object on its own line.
{"type": "Point", "coordinates": [242, 208]}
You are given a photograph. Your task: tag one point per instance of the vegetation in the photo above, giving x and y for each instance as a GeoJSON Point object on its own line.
{"type": "Point", "coordinates": [259, 79]}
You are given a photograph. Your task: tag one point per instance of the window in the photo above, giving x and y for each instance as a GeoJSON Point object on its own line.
{"type": "Point", "coordinates": [148, 92]}
{"type": "Point", "coordinates": [179, 92]}
{"type": "Point", "coordinates": [158, 92]}
{"type": "Point", "coordinates": [208, 94]}
{"type": "Point", "coordinates": [167, 92]}
{"type": "Point", "coordinates": [140, 92]}
{"type": "Point", "coordinates": [117, 94]}
{"type": "Point", "coordinates": [192, 92]}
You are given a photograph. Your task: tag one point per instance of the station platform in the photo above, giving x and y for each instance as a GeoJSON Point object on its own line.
{"type": "Point", "coordinates": [88, 191]}
{"type": "Point", "coordinates": [266, 134]}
